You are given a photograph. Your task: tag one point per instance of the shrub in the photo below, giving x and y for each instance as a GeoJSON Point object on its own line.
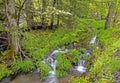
{"type": "Point", "coordinates": [4, 71]}
{"type": "Point", "coordinates": [60, 73]}
{"type": "Point", "coordinates": [24, 66]}
{"type": "Point", "coordinates": [63, 64]}
{"type": "Point", "coordinates": [44, 69]}
{"type": "Point", "coordinates": [83, 54]}
{"type": "Point", "coordinates": [74, 56]}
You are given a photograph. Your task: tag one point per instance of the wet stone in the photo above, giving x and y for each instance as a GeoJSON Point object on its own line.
{"type": "Point", "coordinates": [117, 53]}
{"type": "Point", "coordinates": [117, 76]}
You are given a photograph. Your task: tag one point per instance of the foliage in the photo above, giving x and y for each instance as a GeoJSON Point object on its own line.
{"type": "Point", "coordinates": [105, 63]}
{"type": "Point", "coordinates": [83, 54]}
{"type": "Point", "coordinates": [23, 66]}
{"type": "Point", "coordinates": [78, 80]}
{"type": "Point", "coordinates": [74, 56]}
{"type": "Point", "coordinates": [39, 43]}
{"type": "Point", "coordinates": [109, 36]}
{"type": "Point", "coordinates": [63, 65]}
{"type": "Point", "coordinates": [80, 20]}
{"type": "Point", "coordinates": [4, 71]}
{"type": "Point", "coordinates": [44, 69]}
{"type": "Point", "coordinates": [60, 73]}
{"type": "Point", "coordinates": [98, 24]}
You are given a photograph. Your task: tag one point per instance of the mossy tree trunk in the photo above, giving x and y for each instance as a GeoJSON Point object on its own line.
{"type": "Point", "coordinates": [12, 25]}
{"type": "Point", "coordinates": [52, 16]}
{"type": "Point", "coordinates": [109, 15]}
{"type": "Point", "coordinates": [43, 16]}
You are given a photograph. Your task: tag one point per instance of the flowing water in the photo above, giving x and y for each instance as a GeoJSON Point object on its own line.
{"type": "Point", "coordinates": [51, 61]}
{"type": "Point", "coordinates": [81, 67]}
{"type": "Point", "coordinates": [93, 40]}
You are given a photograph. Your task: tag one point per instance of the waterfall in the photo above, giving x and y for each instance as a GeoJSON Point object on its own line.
{"type": "Point", "coordinates": [93, 40]}
{"type": "Point", "coordinates": [81, 67]}
{"type": "Point", "coordinates": [51, 61]}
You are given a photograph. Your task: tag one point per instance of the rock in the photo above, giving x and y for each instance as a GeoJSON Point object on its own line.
{"type": "Point", "coordinates": [117, 76]}
{"type": "Point", "coordinates": [117, 53]}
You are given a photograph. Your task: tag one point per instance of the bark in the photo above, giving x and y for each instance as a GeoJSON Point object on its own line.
{"type": "Point", "coordinates": [52, 16]}
{"type": "Point", "coordinates": [29, 13]}
{"type": "Point", "coordinates": [12, 22]}
{"type": "Point", "coordinates": [58, 17]}
{"type": "Point", "coordinates": [43, 11]}
{"type": "Point", "coordinates": [19, 12]}
{"type": "Point", "coordinates": [109, 16]}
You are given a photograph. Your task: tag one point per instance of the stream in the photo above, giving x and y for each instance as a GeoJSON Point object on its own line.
{"type": "Point", "coordinates": [51, 61]}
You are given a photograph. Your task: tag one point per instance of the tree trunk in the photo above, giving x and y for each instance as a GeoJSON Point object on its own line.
{"type": "Point", "coordinates": [29, 14]}
{"type": "Point", "coordinates": [19, 12]}
{"type": "Point", "coordinates": [43, 11]}
{"type": "Point", "coordinates": [52, 16]}
{"type": "Point", "coordinates": [58, 17]}
{"type": "Point", "coordinates": [115, 19]}
{"type": "Point", "coordinates": [109, 16]}
{"type": "Point", "coordinates": [11, 16]}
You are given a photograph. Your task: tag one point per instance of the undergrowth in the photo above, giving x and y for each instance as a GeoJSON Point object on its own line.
{"type": "Point", "coordinates": [105, 63]}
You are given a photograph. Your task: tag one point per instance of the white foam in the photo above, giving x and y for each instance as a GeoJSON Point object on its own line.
{"type": "Point", "coordinates": [93, 40]}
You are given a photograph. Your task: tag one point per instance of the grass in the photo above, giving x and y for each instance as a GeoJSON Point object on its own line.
{"type": "Point", "coordinates": [39, 43]}
{"type": "Point", "coordinates": [105, 63]}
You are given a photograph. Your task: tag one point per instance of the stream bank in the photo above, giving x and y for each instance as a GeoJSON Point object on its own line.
{"type": "Point", "coordinates": [51, 60]}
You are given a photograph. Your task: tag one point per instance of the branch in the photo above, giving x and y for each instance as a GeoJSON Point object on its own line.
{"type": "Point", "coordinates": [3, 45]}
{"type": "Point", "coordinates": [3, 38]}
{"type": "Point", "coordinates": [20, 11]}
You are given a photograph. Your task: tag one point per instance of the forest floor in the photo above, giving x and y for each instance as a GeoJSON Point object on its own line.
{"type": "Point", "coordinates": [103, 66]}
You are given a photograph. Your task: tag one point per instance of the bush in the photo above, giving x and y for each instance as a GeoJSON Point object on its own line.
{"type": "Point", "coordinates": [105, 63]}
{"type": "Point", "coordinates": [60, 73]}
{"type": "Point", "coordinates": [24, 66]}
{"type": "Point", "coordinates": [4, 71]}
{"type": "Point", "coordinates": [83, 54]}
{"type": "Point", "coordinates": [74, 56]}
{"type": "Point", "coordinates": [44, 69]}
{"type": "Point", "coordinates": [63, 65]}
